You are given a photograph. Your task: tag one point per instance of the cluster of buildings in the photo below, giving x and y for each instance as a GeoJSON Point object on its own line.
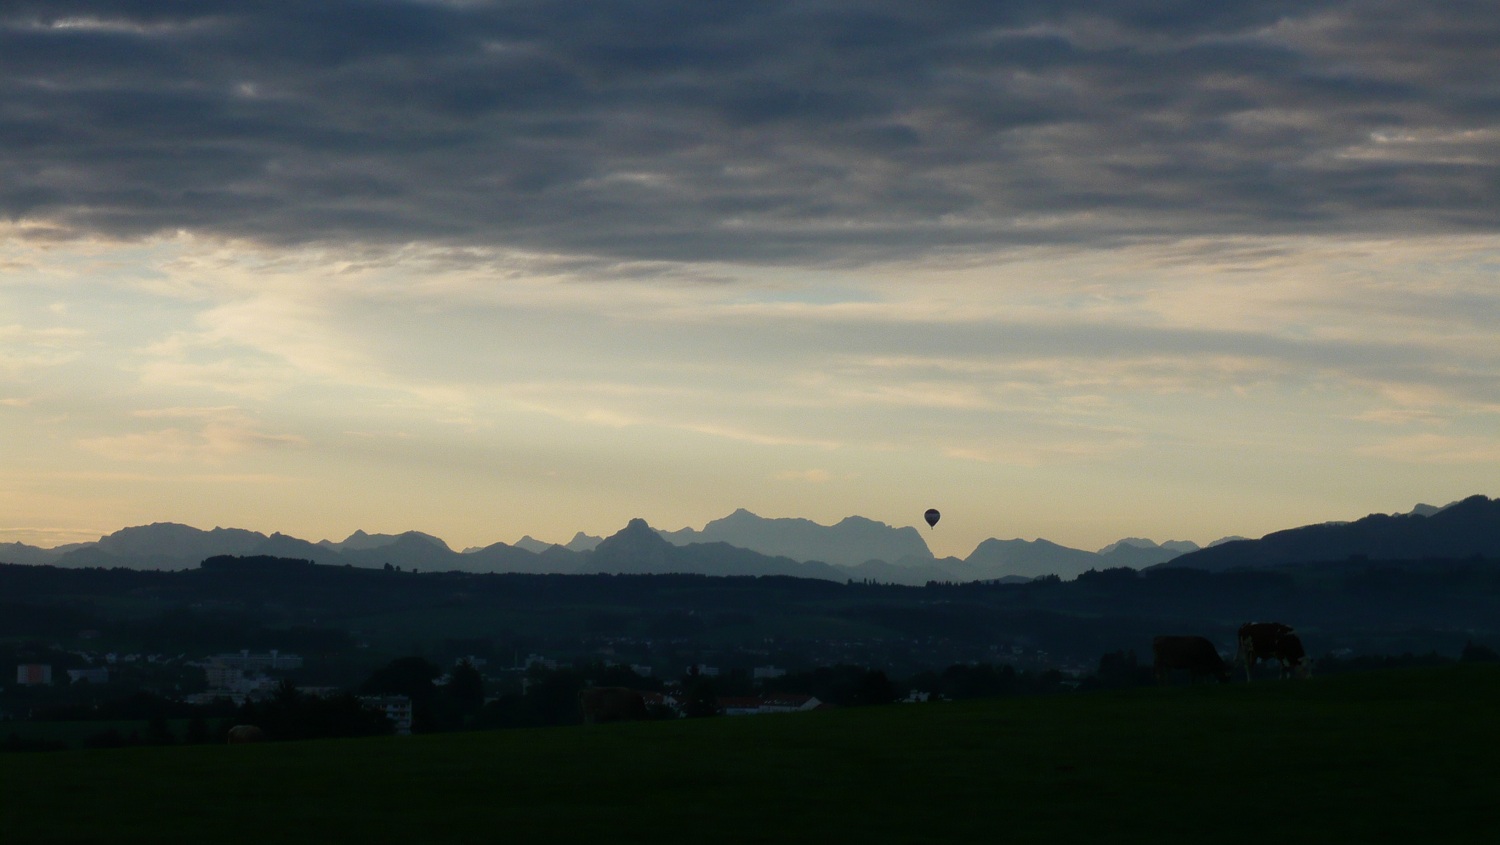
{"type": "Point", "coordinates": [243, 675]}
{"type": "Point", "coordinates": [99, 668]}
{"type": "Point", "coordinates": [250, 676]}
{"type": "Point", "coordinates": [40, 674]}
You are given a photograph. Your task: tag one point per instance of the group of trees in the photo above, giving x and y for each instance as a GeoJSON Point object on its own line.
{"type": "Point", "coordinates": [292, 714]}
{"type": "Point", "coordinates": [453, 705]}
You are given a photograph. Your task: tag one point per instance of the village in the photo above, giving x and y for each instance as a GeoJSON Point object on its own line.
{"type": "Point", "coordinates": [531, 688]}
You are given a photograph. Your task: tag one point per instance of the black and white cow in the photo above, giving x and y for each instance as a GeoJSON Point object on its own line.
{"type": "Point", "coordinates": [1272, 641]}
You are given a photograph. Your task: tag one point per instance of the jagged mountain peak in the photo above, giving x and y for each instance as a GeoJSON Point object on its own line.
{"type": "Point", "coordinates": [635, 548]}
{"type": "Point", "coordinates": [637, 533]}
{"type": "Point", "coordinates": [850, 542]}
{"type": "Point", "coordinates": [582, 542]}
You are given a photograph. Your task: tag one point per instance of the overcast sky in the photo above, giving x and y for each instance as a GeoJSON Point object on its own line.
{"type": "Point", "coordinates": [1066, 270]}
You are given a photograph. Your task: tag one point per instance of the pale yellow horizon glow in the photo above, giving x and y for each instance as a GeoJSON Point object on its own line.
{"type": "Point", "coordinates": [1175, 390]}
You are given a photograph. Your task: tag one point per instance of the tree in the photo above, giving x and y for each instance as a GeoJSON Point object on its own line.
{"type": "Point", "coordinates": [412, 677]}
{"type": "Point", "coordinates": [197, 730]}
{"type": "Point", "coordinates": [552, 696]}
{"type": "Point", "coordinates": [463, 695]}
{"type": "Point", "coordinates": [618, 675]}
{"type": "Point", "coordinates": [1476, 653]}
{"type": "Point", "coordinates": [291, 715]}
{"type": "Point", "coordinates": [286, 694]}
{"type": "Point", "coordinates": [157, 732]}
{"type": "Point", "coordinates": [875, 688]}
{"type": "Point", "coordinates": [1121, 669]}
{"type": "Point", "coordinates": [979, 681]}
{"type": "Point", "coordinates": [700, 696]}
{"type": "Point", "coordinates": [408, 676]}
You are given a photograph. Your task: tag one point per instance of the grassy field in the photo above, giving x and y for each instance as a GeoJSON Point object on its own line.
{"type": "Point", "coordinates": [74, 734]}
{"type": "Point", "coordinates": [1383, 757]}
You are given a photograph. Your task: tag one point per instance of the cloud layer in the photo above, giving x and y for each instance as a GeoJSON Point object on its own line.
{"type": "Point", "coordinates": [766, 132]}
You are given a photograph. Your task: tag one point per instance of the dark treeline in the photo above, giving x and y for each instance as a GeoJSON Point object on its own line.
{"type": "Point", "coordinates": [1342, 607]}
{"type": "Point", "coordinates": [242, 592]}
{"type": "Point", "coordinates": [254, 580]}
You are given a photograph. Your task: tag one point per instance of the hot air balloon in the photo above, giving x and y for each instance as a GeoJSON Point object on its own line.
{"type": "Point", "coordinates": [932, 516]}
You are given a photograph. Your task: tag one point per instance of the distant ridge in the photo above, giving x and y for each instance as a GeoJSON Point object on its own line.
{"type": "Point", "coordinates": [1467, 528]}
{"type": "Point", "coordinates": [1027, 558]}
{"type": "Point", "coordinates": [581, 542]}
{"type": "Point", "coordinates": [860, 548]}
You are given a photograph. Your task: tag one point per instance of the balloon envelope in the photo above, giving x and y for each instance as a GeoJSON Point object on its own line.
{"type": "Point", "coordinates": [932, 516]}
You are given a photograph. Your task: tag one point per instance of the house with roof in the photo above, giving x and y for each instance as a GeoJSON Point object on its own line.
{"type": "Point", "coordinates": [788, 702]}
{"type": "Point", "coordinates": [737, 705]}
{"type": "Point", "coordinates": [657, 702]}
{"type": "Point", "coordinates": [771, 702]}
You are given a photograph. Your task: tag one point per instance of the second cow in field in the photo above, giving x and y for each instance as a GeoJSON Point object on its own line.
{"type": "Point", "coordinates": [1194, 655]}
{"type": "Point", "coordinates": [1272, 641]}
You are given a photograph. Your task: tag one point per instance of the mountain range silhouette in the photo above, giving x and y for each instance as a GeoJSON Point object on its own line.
{"type": "Point", "coordinates": [746, 544]}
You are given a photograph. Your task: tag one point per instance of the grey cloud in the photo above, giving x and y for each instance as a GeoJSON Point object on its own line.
{"type": "Point", "coordinates": [673, 130]}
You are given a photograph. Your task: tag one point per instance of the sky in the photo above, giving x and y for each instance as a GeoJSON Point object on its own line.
{"type": "Point", "coordinates": [1077, 271]}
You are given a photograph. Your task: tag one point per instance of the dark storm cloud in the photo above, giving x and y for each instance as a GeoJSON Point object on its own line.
{"type": "Point", "coordinates": [766, 131]}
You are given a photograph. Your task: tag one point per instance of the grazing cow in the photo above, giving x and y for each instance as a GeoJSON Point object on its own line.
{"type": "Point", "coordinates": [1196, 655]}
{"type": "Point", "coordinates": [611, 704]}
{"type": "Point", "coordinates": [1262, 641]}
{"type": "Point", "coordinates": [241, 734]}
{"type": "Point", "coordinates": [1289, 653]}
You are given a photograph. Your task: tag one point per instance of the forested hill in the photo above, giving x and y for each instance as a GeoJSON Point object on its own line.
{"type": "Point", "coordinates": [1466, 529]}
{"type": "Point", "coordinates": [1369, 607]}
